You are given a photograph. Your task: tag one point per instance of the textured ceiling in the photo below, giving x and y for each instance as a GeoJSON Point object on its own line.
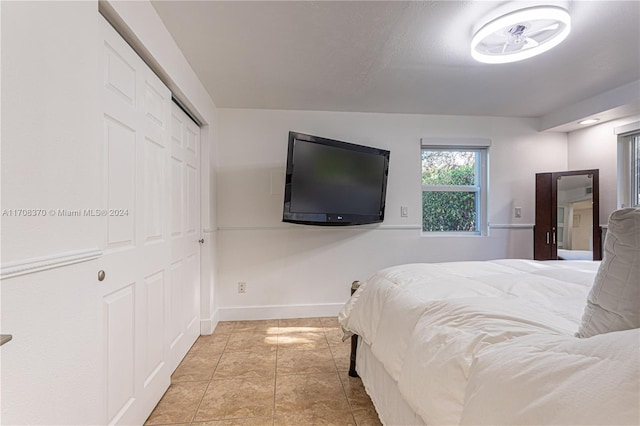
{"type": "Point", "coordinates": [397, 56]}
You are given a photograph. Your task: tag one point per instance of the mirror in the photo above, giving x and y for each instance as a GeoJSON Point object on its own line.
{"type": "Point", "coordinates": [575, 217]}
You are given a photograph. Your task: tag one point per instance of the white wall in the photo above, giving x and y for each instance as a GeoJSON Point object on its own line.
{"type": "Point", "coordinates": [297, 270]}
{"type": "Point", "coordinates": [49, 125]}
{"type": "Point", "coordinates": [51, 88]}
{"type": "Point", "coordinates": [596, 148]}
{"type": "Point", "coordinates": [51, 137]}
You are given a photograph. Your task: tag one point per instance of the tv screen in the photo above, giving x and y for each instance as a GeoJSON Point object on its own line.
{"type": "Point", "coordinates": [329, 182]}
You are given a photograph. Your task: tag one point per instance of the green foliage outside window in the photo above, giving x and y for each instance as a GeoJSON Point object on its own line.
{"type": "Point", "coordinates": [449, 211]}
{"type": "Point", "coordinates": [448, 167]}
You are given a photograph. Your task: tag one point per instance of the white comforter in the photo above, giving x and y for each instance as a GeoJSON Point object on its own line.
{"type": "Point", "coordinates": [492, 342]}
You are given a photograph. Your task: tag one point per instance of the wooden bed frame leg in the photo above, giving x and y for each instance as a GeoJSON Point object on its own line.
{"type": "Point", "coordinates": [354, 340]}
{"type": "Point", "coordinates": [352, 364]}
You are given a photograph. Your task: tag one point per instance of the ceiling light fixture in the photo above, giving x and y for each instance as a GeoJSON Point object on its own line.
{"type": "Point", "coordinates": [589, 121]}
{"type": "Point", "coordinates": [521, 35]}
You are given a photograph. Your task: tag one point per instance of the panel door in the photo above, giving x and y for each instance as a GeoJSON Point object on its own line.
{"type": "Point", "coordinates": [137, 245]}
{"type": "Point", "coordinates": [184, 287]}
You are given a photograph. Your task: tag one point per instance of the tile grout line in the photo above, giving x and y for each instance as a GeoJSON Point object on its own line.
{"type": "Point", "coordinates": [193, 418]}
{"type": "Point", "coordinates": [344, 390]}
{"type": "Point", "coordinates": [172, 383]}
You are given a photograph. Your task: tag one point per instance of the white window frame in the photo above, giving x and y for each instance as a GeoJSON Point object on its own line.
{"type": "Point", "coordinates": [628, 146]}
{"type": "Point", "coordinates": [481, 147]}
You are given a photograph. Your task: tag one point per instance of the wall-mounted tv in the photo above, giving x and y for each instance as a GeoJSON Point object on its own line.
{"type": "Point", "coordinates": [329, 182]}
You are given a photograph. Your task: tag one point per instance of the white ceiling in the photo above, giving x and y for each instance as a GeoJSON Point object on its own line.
{"type": "Point", "coordinates": [396, 56]}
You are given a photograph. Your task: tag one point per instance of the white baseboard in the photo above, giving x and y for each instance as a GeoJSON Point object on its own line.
{"type": "Point", "coordinates": [207, 325]}
{"type": "Point", "coordinates": [239, 313]}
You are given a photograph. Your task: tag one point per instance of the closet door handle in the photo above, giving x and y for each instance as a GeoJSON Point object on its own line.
{"type": "Point", "coordinates": [547, 238]}
{"type": "Point", "coordinates": [554, 238]}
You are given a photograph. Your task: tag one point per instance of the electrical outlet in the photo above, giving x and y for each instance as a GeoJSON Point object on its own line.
{"type": "Point", "coordinates": [242, 287]}
{"type": "Point", "coordinates": [404, 211]}
{"type": "Point", "coordinates": [517, 213]}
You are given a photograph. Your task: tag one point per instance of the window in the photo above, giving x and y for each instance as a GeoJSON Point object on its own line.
{"type": "Point", "coordinates": [454, 189]}
{"type": "Point", "coordinates": [629, 170]}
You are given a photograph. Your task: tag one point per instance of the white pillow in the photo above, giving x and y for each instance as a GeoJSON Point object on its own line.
{"type": "Point", "coordinates": [614, 301]}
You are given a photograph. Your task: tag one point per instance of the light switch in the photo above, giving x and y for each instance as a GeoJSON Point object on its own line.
{"type": "Point", "coordinates": [517, 212]}
{"type": "Point", "coordinates": [404, 211]}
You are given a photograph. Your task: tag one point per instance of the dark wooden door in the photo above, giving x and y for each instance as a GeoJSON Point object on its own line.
{"type": "Point", "coordinates": [542, 247]}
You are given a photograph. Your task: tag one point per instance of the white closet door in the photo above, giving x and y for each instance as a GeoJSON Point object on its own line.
{"type": "Point", "coordinates": [184, 304]}
{"type": "Point", "coordinates": [137, 161]}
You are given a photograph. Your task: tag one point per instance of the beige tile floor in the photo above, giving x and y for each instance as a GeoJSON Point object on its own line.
{"type": "Point", "coordinates": [273, 372]}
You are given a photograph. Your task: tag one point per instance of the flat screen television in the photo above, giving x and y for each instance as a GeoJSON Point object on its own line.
{"type": "Point", "coordinates": [329, 182]}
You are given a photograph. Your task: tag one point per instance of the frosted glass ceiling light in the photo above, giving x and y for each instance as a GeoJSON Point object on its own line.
{"type": "Point", "coordinates": [521, 35]}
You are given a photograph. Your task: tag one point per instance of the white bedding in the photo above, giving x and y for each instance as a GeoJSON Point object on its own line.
{"type": "Point", "coordinates": [391, 406]}
{"type": "Point", "coordinates": [429, 324]}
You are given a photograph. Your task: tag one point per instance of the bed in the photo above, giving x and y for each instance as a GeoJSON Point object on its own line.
{"type": "Point", "coordinates": [495, 342]}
